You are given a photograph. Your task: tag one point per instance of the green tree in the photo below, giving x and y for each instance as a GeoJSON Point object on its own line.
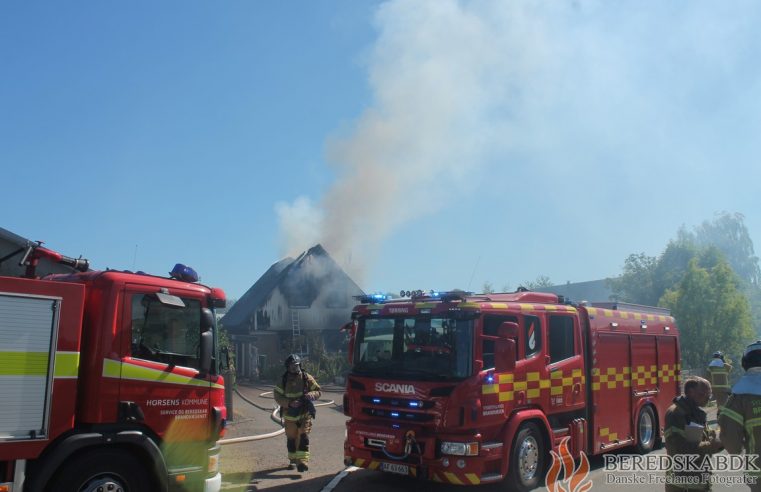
{"type": "Point", "coordinates": [226, 346]}
{"type": "Point", "coordinates": [637, 283]}
{"type": "Point", "coordinates": [487, 288]}
{"type": "Point", "coordinates": [729, 233]}
{"type": "Point", "coordinates": [712, 312]}
{"type": "Point", "coordinates": [541, 281]}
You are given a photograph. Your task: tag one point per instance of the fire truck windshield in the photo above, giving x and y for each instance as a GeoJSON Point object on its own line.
{"type": "Point", "coordinates": [420, 347]}
{"type": "Point", "coordinates": [166, 333]}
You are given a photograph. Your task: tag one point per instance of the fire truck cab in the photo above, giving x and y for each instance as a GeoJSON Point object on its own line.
{"type": "Point", "coordinates": [469, 389]}
{"type": "Point", "coordinates": [109, 380]}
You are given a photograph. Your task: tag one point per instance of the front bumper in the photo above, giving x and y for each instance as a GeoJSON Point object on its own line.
{"type": "Point", "coordinates": [362, 449]}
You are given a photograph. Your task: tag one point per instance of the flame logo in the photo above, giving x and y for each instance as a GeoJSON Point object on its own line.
{"type": "Point", "coordinates": [574, 479]}
{"type": "Point", "coordinates": [531, 338]}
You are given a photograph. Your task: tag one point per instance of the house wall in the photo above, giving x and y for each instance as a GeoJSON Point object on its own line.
{"type": "Point", "coordinates": [276, 314]}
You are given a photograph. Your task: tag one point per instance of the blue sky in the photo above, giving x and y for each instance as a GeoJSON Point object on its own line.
{"type": "Point", "coordinates": [426, 144]}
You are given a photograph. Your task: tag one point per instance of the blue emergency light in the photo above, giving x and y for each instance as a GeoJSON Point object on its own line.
{"type": "Point", "coordinates": [371, 298]}
{"type": "Point", "coordinates": [184, 273]}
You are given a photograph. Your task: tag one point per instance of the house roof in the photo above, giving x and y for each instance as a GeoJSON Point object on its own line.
{"type": "Point", "coordinates": [593, 290]}
{"type": "Point", "coordinates": [299, 280]}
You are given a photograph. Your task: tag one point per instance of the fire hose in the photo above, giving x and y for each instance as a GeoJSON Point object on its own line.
{"type": "Point", "coordinates": [409, 442]}
{"type": "Point", "coordinates": [274, 416]}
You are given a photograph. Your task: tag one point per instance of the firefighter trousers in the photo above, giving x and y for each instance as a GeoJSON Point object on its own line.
{"type": "Point", "coordinates": [297, 439]}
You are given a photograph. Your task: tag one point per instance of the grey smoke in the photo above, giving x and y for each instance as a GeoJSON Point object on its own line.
{"type": "Point", "coordinates": [461, 89]}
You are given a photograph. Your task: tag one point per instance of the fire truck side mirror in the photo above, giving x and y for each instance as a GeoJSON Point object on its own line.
{"type": "Point", "coordinates": [350, 330]}
{"type": "Point", "coordinates": [207, 346]}
{"type": "Point", "coordinates": [504, 355]}
{"type": "Point", "coordinates": [207, 319]}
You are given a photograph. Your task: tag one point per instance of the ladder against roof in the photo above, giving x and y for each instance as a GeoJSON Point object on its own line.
{"type": "Point", "coordinates": [296, 338]}
{"type": "Point", "coordinates": [295, 327]}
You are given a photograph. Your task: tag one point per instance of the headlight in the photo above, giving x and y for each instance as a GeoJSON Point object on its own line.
{"type": "Point", "coordinates": [460, 448]}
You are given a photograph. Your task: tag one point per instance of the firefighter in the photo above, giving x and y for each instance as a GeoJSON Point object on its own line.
{"type": "Point", "coordinates": [739, 420]}
{"type": "Point", "coordinates": [718, 375]}
{"type": "Point", "coordinates": [295, 395]}
{"type": "Point", "coordinates": [687, 433]}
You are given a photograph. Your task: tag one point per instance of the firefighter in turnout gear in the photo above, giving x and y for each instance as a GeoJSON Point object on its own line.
{"type": "Point", "coordinates": [718, 375]}
{"type": "Point", "coordinates": [295, 394]}
{"type": "Point", "coordinates": [687, 433]}
{"type": "Point", "coordinates": [740, 420]}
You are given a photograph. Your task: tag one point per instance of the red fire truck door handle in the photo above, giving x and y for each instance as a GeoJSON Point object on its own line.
{"type": "Point", "coordinates": [577, 388]}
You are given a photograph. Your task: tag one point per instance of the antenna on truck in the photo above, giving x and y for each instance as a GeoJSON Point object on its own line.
{"type": "Point", "coordinates": [34, 252]}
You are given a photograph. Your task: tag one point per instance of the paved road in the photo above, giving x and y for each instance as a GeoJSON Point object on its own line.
{"type": "Point", "coordinates": [260, 465]}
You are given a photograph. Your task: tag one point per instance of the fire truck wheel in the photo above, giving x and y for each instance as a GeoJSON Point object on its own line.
{"type": "Point", "coordinates": [97, 470]}
{"type": "Point", "coordinates": [526, 459]}
{"type": "Point", "coordinates": [646, 430]}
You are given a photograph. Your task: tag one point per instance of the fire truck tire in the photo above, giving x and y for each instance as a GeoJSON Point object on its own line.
{"type": "Point", "coordinates": [526, 459]}
{"type": "Point", "coordinates": [647, 430]}
{"type": "Point", "coordinates": [109, 469]}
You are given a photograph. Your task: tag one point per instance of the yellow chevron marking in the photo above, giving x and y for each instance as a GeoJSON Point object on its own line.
{"type": "Point", "coordinates": [473, 478]}
{"type": "Point", "coordinates": [452, 478]}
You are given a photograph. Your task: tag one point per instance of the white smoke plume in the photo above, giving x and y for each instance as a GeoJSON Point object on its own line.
{"type": "Point", "coordinates": [465, 88]}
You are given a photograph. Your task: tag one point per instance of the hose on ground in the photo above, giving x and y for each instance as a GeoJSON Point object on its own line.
{"type": "Point", "coordinates": [274, 416]}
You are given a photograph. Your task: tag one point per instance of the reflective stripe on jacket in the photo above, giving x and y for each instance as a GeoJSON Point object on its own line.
{"type": "Point", "coordinates": [719, 376]}
{"type": "Point", "coordinates": [678, 416]}
{"type": "Point", "coordinates": [296, 386]}
{"type": "Point", "coordinates": [740, 419]}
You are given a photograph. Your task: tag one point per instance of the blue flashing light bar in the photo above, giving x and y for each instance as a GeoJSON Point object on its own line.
{"type": "Point", "coordinates": [184, 273]}
{"type": "Point", "coordinates": [444, 296]}
{"type": "Point", "coordinates": [490, 378]}
{"type": "Point", "coordinates": [394, 414]}
{"type": "Point", "coordinates": [371, 298]}
{"type": "Point", "coordinates": [415, 404]}
{"type": "Point", "coordinates": [376, 400]}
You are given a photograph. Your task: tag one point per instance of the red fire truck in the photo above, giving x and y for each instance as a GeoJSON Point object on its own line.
{"type": "Point", "coordinates": [469, 389]}
{"type": "Point", "coordinates": [109, 380]}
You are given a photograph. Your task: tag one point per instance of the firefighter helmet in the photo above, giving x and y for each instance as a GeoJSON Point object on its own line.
{"type": "Point", "coordinates": [752, 355]}
{"type": "Point", "coordinates": [718, 355]}
{"type": "Point", "coordinates": [293, 359]}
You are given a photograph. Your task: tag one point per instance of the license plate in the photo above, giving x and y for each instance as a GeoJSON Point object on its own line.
{"type": "Point", "coordinates": [395, 468]}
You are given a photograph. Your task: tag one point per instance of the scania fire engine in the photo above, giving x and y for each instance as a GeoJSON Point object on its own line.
{"type": "Point", "coordinates": [109, 380]}
{"type": "Point", "coordinates": [470, 389]}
